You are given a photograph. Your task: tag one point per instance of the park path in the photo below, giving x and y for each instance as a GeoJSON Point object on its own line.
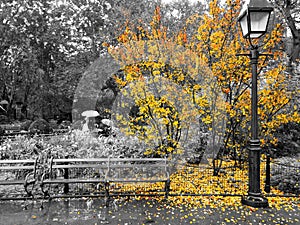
{"type": "Point", "coordinates": [124, 212]}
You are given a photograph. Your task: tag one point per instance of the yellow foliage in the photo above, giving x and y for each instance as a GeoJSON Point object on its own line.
{"type": "Point", "coordinates": [183, 61]}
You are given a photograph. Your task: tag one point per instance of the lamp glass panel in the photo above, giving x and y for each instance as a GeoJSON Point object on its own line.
{"type": "Point", "coordinates": [244, 25]}
{"type": "Point", "coordinates": [255, 35]}
{"type": "Point", "coordinates": [259, 21]}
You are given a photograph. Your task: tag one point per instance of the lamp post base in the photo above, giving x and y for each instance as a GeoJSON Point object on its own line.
{"type": "Point", "coordinates": [255, 201]}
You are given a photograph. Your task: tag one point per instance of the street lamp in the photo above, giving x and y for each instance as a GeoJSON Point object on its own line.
{"type": "Point", "coordinates": [254, 20]}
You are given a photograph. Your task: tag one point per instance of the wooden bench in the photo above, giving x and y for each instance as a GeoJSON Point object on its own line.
{"type": "Point", "coordinates": [65, 172]}
{"type": "Point", "coordinates": [19, 172]}
{"type": "Point", "coordinates": [133, 170]}
{"type": "Point", "coordinates": [106, 173]}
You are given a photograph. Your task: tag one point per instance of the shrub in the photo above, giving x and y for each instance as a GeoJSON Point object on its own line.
{"type": "Point", "coordinates": [2, 131]}
{"type": "Point", "coordinates": [4, 119]}
{"type": "Point", "coordinates": [197, 149]}
{"type": "Point", "coordinates": [20, 147]}
{"type": "Point", "coordinates": [116, 145]}
{"type": "Point", "coordinates": [40, 126]}
{"type": "Point", "coordinates": [73, 145]}
{"type": "Point", "coordinates": [53, 124]}
{"type": "Point", "coordinates": [25, 125]}
{"type": "Point", "coordinates": [64, 124]}
{"type": "Point", "coordinates": [77, 125]}
{"type": "Point", "coordinates": [285, 175]}
{"type": "Point", "coordinates": [288, 143]}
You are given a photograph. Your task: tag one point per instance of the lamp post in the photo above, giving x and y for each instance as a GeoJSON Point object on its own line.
{"type": "Point", "coordinates": [254, 20]}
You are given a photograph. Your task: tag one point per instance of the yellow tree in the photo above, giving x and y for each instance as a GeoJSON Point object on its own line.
{"type": "Point", "coordinates": [218, 42]}
{"type": "Point", "coordinates": [205, 72]}
{"type": "Point", "coordinates": [163, 91]}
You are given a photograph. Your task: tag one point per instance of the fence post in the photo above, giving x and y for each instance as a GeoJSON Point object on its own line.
{"type": "Point", "coordinates": [66, 177]}
{"type": "Point", "coordinates": [268, 174]}
{"type": "Point", "coordinates": [106, 186]}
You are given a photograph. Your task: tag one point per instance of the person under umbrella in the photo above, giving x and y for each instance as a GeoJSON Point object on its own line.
{"type": "Point", "coordinates": [89, 119]}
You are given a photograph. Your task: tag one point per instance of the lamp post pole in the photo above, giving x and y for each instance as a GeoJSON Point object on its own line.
{"type": "Point", "coordinates": [254, 20]}
{"type": "Point", "coordinates": [254, 149]}
{"type": "Point", "coordinates": [254, 198]}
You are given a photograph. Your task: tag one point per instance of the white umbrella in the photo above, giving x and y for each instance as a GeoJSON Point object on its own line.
{"type": "Point", "coordinates": [107, 122]}
{"type": "Point", "coordinates": [90, 113]}
{"type": "Point", "coordinates": [4, 102]}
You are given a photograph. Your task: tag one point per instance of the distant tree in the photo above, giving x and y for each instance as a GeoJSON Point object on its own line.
{"type": "Point", "coordinates": [290, 12]}
{"type": "Point", "coordinates": [290, 18]}
{"type": "Point", "coordinates": [34, 46]}
{"type": "Point", "coordinates": [45, 48]}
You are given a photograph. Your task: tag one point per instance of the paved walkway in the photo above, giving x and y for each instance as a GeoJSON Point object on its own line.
{"type": "Point", "coordinates": [125, 212]}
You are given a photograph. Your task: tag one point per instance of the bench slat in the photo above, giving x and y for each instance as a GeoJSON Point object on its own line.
{"type": "Point", "coordinates": [17, 167]}
{"type": "Point", "coordinates": [136, 180]}
{"type": "Point", "coordinates": [96, 166]}
{"type": "Point", "coordinates": [136, 160]}
{"type": "Point", "coordinates": [68, 181]}
{"type": "Point", "coordinates": [105, 165]}
{"type": "Point", "coordinates": [109, 159]}
{"type": "Point", "coordinates": [17, 161]}
{"type": "Point", "coordinates": [80, 160]}
{"type": "Point", "coordinates": [136, 165]}
{"type": "Point", "coordinates": [12, 182]}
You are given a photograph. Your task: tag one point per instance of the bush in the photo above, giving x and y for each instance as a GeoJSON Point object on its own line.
{"type": "Point", "coordinates": [285, 175]}
{"type": "Point", "coordinates": [65, 124]}
{"type": "Point", "coordinates": [73, 145]}
{"type": "Point", "coordinates": [117, 145]}
{"type": "Point", "coordinates": [19, 148]}
{"type": "Point", "coordinates": [53, 124]}
{"type": "Point", "coordinates": [288, 140]}
{"type": "Point", "coordinates": [4, 119]}
{"type": "Point", "coordinates": [25, 125]}
{"type": "Point", "coordinates": [77, 125]}
{"type": "Point", "coordinates": [40, 126]}
{"type": "Point", "coordinates": [198, 149]}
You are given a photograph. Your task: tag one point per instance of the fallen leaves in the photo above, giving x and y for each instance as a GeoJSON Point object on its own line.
{"type": "Point", "coordinates": [197, 187]}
